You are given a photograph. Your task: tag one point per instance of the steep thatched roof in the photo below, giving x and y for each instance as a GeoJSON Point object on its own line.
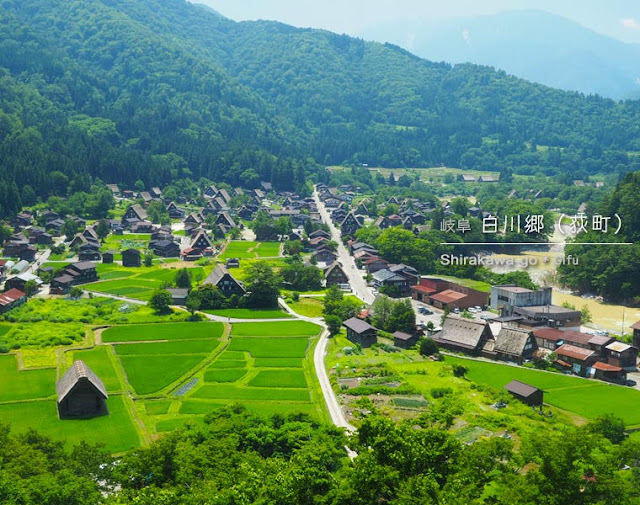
{"type": "Point", "coordinates": [79, 372]}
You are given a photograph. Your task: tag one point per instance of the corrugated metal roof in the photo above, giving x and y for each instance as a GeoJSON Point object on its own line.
{"type": "Point", "coordinates": [574, 352]}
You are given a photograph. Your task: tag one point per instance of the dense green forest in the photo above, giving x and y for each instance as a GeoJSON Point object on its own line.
{"type": "Point", "coordinates": [239, 458]}
{"type": "Point", "coordinates": [150, 90]}
{"type": "Point", "coordinates": [611, 271]}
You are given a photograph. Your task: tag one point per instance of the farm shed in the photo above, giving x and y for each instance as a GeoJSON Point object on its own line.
{"type": "Point", "coordinates": [81, 393]}
{"type": "Point", "coordinates": [525, 393]}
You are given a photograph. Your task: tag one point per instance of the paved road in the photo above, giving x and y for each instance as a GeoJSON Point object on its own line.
{"type": "Point", "coordinates": [358, 284]}
{"type": "Point", "coordinates": [335, 411]}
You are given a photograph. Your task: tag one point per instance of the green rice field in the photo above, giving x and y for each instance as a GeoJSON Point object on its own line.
{"type": "Point", "coordinates": [169, 331]}
{"type": "Point", "coordinates": [585, 397]}
{"type": "Point", "coordinates": [157, 407]}
{"type": "Point", "coordinates": [278, 362]}
{"type": "Point", "coordinates": [99, 360]}
{"type": "Point", "coordinates": [276, 329]}
{"type": "Point", "coordinates": [23, 385]}
{"type": "Point", "coordinates": [260, 347]}
{"type": "Point", "coordinates": [150, 374]}
{"type": "Point", "coordinates": [116, 430]}
{"type": "Point", "coordinates": [225, 375]}
{"type": "Point", "coordinates": [247, 250]}
{"type": "Point", "coordinates": [135, 282]}
{"type": "Point", "coordinates": [175, 347]}
{"type": "Point", "coordinates": [279, 379]}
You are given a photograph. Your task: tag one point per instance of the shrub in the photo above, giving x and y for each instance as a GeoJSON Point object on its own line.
{"type": "Point", "coordinates": [428, 347]}
{"type": "Point", "coordinates": [460, 371]}
{"type": "Point", "coordinates": [440, 392]}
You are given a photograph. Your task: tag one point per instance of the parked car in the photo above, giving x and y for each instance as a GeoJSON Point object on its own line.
{"type": "Point", "coordinates": [630, 382]}
{"type": "Point", "coordinates": [456, 310]}
{"type": "Point", "coordinates": [425, 311]}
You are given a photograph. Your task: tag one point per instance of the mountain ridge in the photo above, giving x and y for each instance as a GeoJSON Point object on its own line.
{"type": "Point", "coordinates": [531, 44]}
{"type": "Point", "coordinates": [158, 90]}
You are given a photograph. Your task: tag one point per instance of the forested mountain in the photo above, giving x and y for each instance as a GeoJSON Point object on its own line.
{"type": "Point", "coordinates": [155, 90]}
{"type": "Point", "coordinates": [532, 44]}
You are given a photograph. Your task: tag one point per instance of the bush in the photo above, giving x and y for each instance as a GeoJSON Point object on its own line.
{"type": "Point", "coordinates": [4, 349]}
{"type": "Point", "coordinates": [295, 296]}
{"type": "Point", "coordinates": [428, 347]}
{"type": "Point", "coordinates": [460, 371]}
{"type": "Point", "coordinates": [440, 392]}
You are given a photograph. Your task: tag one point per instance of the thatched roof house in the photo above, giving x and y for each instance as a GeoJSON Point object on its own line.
{"type": "Point", "coordinates": [81, 393]}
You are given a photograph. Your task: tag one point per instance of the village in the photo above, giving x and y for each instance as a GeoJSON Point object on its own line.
{"type": "Point", "coordinates": [219, 239]}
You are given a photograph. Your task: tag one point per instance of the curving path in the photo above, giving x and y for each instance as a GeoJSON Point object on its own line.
{"type": "Point", "coordinates": [336, 413]}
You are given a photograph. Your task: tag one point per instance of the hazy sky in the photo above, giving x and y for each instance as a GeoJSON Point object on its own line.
{"type": "Point", "coordinates": [617, 18]}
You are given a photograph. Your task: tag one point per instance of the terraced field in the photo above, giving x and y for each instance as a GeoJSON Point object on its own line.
{"type": "Point", "coordinates": [263, 367]}
{"type": "Point", "coordinates": [175, 372]}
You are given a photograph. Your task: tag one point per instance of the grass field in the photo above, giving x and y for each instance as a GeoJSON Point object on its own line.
{"type": "Point", "coordinates": [116, 430]}
{"type": "Point", "coordinates": [136, 282]}
{"type": "Point", "coordinates": [176, 347]}
{"type": "Point", "coordinates": [268, 249]}
{"type": "Point", "coordinates": [309, 307]}
{"type": "Point", "coordinates": [585, 397]}
{"type": "Point", "coordinates": [169, 331]}
{"type": "Point", "coordinates": [149, 374]}
{"type": "Point", "coordinates": [239, 249]}
{"type": "Point", "coordinates": [228, 392]}
{"type": "Point", "coordinates": [250, 313]}
{"type": "Point", "coordinates": [272, 347]}
{"type": "Point", "coordinates": [278, 362]}
{"type": "Point", "coordinates": [225, 375]}
{"type": "Point", "coordinates": [279, 329]}
{"type": "Point", "coordinates": [247, 250]}
{"type": "Point", "coordinates": [22, 385]}
{"type": "Point", "coordinates": [99, 361]}
{"type": "Point", "coordinates": [279, 379]}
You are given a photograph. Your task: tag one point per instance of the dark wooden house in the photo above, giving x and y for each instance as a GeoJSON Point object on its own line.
{"type": "Point", "coordinates": [465, 335]}
{"type": "Point", "coordinates": [225, 282]}
{"type": "Point", "coordinates": [405, 340]}
{"type": "Point", "coordinates": [525, 393]}
{"type": "Point", "coordinates": [81, 393]}
{"type": "Point", "coordinates": [361, 332]}
{"type": "Point", "coordinates": [334, 274]}
{"type": "Point", "coordinates": [514, 344]}
{"type": "Point", "coordinates": [107, 256]}
{"type": "Point", "coordinates": [131, 258]}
